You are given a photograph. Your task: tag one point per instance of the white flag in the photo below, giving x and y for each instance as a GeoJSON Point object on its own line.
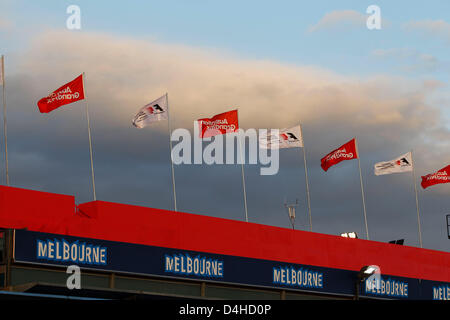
{"type": "Point", "coordinates": [286, 138]}
{"type": "Point", "coordinates": [2, 69]}
{"type": "Point", "coordinates": [152, 112]}
{"type": "Point", "coordinates": [401, 164]}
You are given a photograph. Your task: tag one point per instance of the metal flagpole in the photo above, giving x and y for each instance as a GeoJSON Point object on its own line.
{"type": "Point", "coordinates": [170, 146]}
{"type": "Point", "coordinates": [417, 200]}
{"type": "Point", "coordinates": [362, 189]}
{"type": "Point", "coordinates": [306, 178]}
{"type": "Point", "coordinates": [4, 121]}
{"type": "Point", "coordinates": [243, 177]}
{"type": "Point", "coordinates": [90, 139]}
{"type": "Point", "coordinates": [243, 182]}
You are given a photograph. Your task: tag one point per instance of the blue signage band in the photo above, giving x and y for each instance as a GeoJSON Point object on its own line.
{"type": "Point", "coordinates": [57, 250]}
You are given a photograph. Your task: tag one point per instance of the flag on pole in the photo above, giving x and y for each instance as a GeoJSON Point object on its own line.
{"type": "Point", "coordinates": [401, 164]}
{"type": "Point", "coordinates": [344, 152]}
{"type": "Point", "coordinates": [153, 112]}
{"type": "Point", "coordinates": [68, 93]}
{"type": "Point", "coordinates": [441, 176]}
{"type": "Point", "coordinates": [286, 138]}
{"type": "Point", "coordinates": [219, 124]}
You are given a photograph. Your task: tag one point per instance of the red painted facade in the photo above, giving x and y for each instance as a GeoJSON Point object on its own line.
{"type": "Point", "coordinates": [55, 213]}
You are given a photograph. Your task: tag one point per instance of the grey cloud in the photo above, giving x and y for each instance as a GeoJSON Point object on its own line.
{"type": "Point", "coordinates": [389, 115]}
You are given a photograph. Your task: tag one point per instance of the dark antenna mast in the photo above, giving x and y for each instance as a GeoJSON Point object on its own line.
{"type": "Point", "coordinates": [291, 211]}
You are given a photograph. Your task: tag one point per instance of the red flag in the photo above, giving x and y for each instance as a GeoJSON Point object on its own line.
{"type": "Point", "coordinates": [345, 152]}
{"type": "Point", "coordinates": [68, 93]}
{"type": "Point", "coordinates": [441, 176]}
{"type": "Point", "coordinates": [219, 124]}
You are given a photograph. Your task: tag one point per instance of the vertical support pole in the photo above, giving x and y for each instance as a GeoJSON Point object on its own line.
{"type": "Point", "coordinates": [306, 179]}
{"type": "Point", "coordinates": [362, 190]}
{"type": "Point", "coordinates": [90, 138]}
{"type": "Point", "coordinates": [112, 280]}
{"type": "Point", "coordinates": [203, 290]}
{"type": "Point", "coordinates": [5, 131]}
{"type": "Point", "coordinates": [243, 175]}
{"type": "Point", "coordinates": [10, 235]}
{"type": "Point", "coordinates": [417, 200]}
{"type": "Point", "coordinates": [243, 179]}
{"type": "Point", "coordinates": [171, 162]}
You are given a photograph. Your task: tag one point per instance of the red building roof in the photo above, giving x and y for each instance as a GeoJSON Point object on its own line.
{"type": "Point", "coordinates": [58, 214]}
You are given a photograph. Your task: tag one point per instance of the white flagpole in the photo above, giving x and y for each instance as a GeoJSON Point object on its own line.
{"type": "Point", "coordinates": [243, 185]}
{"type": "Point", "coordinates": [243, 176]}
{"type": "Point", "coordinates": [362, 189]}
{"type": "Point", "coordinates": [306, 179]}
{"type": "Point", "coordinates": [417, 200]}
{"type": "Point", "coordinates": [4, 121]}
{"type": "Point", "coordinates": [170, 146]}
{"type": "Point", "coordinates": [90, 139]}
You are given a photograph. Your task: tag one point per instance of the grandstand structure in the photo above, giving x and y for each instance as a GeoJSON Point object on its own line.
{"type": "Point", "coordinates": [131, 252]}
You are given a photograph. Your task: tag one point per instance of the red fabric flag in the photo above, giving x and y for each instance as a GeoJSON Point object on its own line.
{"type": "Point", "coordinates": [345, 152]}
{"type": "Point", "coordinates": [68, 93]}
{"type": "Point", "coordinates": [441, 176]}
{"type": "Point", "coordinates": [219, 124]}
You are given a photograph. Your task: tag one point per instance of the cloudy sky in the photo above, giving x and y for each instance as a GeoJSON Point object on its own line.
{"type": "Point", "coordinates": [279, 64]}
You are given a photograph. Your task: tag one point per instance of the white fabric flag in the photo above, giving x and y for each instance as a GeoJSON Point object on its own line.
{"type": "Point", "coordinates": [401, 164]}
{"type": "Point", "coordinates": [286, 138]}
{"type": "Point", "coordinates": [152, 112]}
